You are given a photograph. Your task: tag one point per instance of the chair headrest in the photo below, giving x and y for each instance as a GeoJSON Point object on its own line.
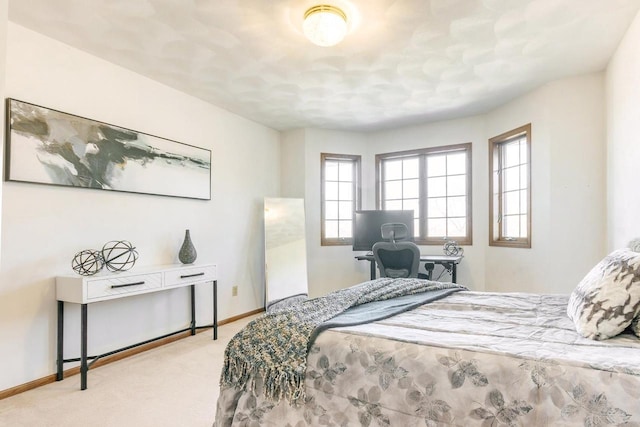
{"type": "Point", "coordinates": [394, 231]}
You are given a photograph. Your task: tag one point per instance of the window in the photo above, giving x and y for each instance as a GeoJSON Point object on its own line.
{"type": "Point", "coordinates": [340, 193]}
{"type": "Point", "coordinates": [436, 184]}
{"type": "Point", "coordinates": [510, 189]}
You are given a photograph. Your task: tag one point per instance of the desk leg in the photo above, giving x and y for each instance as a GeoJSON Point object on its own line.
{"type": "Point", "coordinates": [193, 309]}
{"type": "Point", "coordinates": [453, 272]}
{"type": "Point", "coordinates": [372, 268]}
{"type": "Point", "coordinates": [60, 359]}
{"type": "Point", "coordinates": [83, 348]}
{"type": "Point", "coordinates": [215, 309]}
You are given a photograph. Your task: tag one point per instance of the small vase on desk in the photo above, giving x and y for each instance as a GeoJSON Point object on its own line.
{"type": "Point", "coordinates": [187, 254]}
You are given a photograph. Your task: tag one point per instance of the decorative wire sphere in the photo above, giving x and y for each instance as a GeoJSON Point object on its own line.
{"type": "Point", "coordinates": [87, 262]}
{"type": "Point", "coordinates": [119, 255]}
{"type": "Point", "coordinates": [451, 248]}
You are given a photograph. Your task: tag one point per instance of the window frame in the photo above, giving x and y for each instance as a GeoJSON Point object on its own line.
{"type": "Point", "coordinates": [495, 229]}
{"type": "Point", "coordinates": [422, 155]}
{"type": "Point", "coordinates": [356, 159]}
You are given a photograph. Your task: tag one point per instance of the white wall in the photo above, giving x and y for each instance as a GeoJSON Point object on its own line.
{"type": "Point", "coordinates": [568, 190]}
{"type": "Point", "coordinates": [568, 172]}
{"type": "Point", "coordinates": [623, 148]}
{"type": "Point", "coordinates": [44, 226]}
{"type": "Point", "coordinates": [330, 267]}
{"type": "Point", "coordinates": [292, 159]}
{"type": "Point", "coordinates": [4, 11]}
{"type": "Point", "coordinates": [567, 150]}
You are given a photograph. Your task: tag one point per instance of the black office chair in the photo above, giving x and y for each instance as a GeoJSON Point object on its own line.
{"type": "Point", "coordinates": [396, 258]}
{"type": "Point", "coordinates": [428, 267]}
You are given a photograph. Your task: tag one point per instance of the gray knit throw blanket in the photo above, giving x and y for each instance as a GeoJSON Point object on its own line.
{"type": "Point", "coordinates": [272, 349]}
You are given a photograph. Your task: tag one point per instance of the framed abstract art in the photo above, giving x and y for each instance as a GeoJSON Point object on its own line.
{"type": "Point", "coordinates": [47, 146]}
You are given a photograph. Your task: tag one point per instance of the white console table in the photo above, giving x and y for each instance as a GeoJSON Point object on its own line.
{"type": "Point", "coordinates": [87, 290]}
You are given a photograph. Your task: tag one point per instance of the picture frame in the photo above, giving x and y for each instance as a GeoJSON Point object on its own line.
{"type": "Point", "coordinates": [47, 146]}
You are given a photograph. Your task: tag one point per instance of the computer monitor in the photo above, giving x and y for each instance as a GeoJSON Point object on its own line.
{"type": "Point", "coordinates": [366, 226]}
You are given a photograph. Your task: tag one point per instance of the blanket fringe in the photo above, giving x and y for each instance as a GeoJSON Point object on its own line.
{"type": "Point", "coordinates": [276, 384]}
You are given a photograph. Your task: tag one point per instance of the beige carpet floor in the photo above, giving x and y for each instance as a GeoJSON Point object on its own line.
{"type": "Point", "coordinates": [174, 385]}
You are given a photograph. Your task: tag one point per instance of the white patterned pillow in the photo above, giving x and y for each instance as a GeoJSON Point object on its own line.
{"type": "Point", "coordinates": [635, 326]}
{"type": "Point", "coordinates": [634, 244]}
{"type": "Point", "coordinates": [607, 300]}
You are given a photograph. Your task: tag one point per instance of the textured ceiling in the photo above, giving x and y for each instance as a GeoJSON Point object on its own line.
{"type": "Point", "coordinates": [403, 61]}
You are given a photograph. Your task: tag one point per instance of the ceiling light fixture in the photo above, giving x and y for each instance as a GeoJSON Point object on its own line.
{"type": "Point", "coordinates": [325, 25]}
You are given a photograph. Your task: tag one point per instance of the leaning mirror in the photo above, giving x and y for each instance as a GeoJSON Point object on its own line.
{"type": "Point", "coordinates": [285, 251]}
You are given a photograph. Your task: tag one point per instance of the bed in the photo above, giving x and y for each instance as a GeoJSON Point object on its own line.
{"type": "Point", "coordinates": [467, 359]}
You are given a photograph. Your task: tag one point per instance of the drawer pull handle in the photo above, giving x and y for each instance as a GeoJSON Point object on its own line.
{"type": "Point", "coordinates": [186, 276]}
{"type": "Point", "coordinates": [127, 284]}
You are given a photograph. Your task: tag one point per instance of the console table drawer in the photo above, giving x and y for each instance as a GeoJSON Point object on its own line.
{"type": "Point", "coordinates": [190, 275]}
{"type": "Point", "coordinates": [114, 286]}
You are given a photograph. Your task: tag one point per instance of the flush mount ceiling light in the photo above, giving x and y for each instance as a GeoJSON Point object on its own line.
{"type": "Point", "coordinates": [325, 25]}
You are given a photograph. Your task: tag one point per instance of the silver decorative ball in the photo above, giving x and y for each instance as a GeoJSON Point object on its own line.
{"type": "Point", "coordinates": [451, 248]}
{"type": "Point", "coordinates": [87, 262]}
{"type": "Point", "coordinates": [119, 255]}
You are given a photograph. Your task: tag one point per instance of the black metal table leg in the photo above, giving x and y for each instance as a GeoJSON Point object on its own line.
{"type": "Point", "coordinates": [193, 309]}
{"type": "Point", "coordinates": [60, 344]}
{"type": "Point", "coordinates": [448, 267]}
{"type": "Point", "coordinates": [372, 269]}
{"type": "Point", "coordinates": [215, 309]}
{"type": "Point", "coordinates": [453, 272]}
{"type": "Point", "coordinates": [83, 349]}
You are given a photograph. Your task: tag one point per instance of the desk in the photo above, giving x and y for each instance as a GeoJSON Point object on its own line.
{"type": "Point", "coordinates": [108, 286]}
{"type": "Point", "coordinates": [450, 263]}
